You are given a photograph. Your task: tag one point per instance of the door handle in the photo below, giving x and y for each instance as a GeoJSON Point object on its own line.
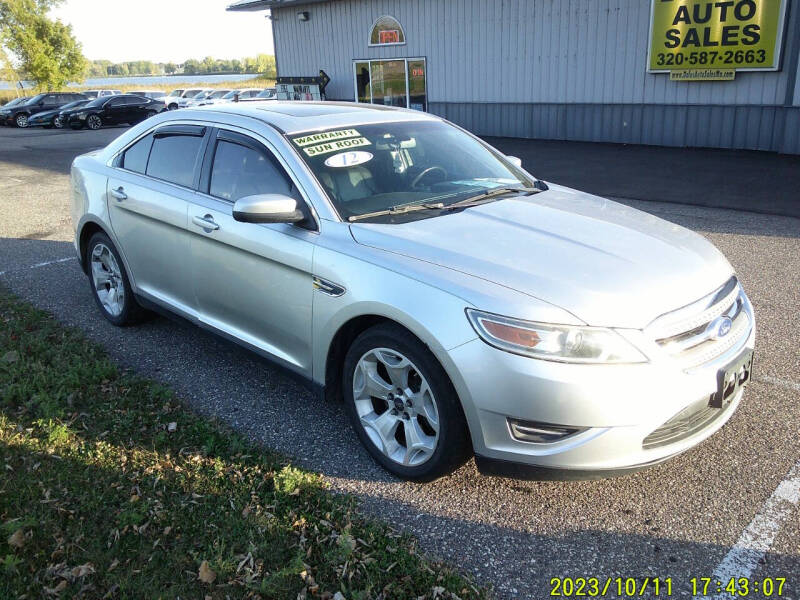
{"type": "Point", "coordinates": [119, 194]}
{"type": "Point", "coordinates": [206, 222]}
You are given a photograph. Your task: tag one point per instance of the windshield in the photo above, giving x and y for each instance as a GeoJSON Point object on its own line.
{"type": "Point", "coordinates": [200, 96]}
{"type": "Point", "coordinates": [35, 99]}
{"type": "Point", "coordinates": [176, 92]}
{"type": "Point", "coordinates": [14, 102]}
{"type": "Point", "coordinates": [98, 102]}
{"type": "Point", "coordinates": [268, 93]}
{"type": "Point", "coordinates": [220, 94]}
{"type": "Point", "coordinates": [75, 104]}
{"type": "Point", "coordinates": [370, 168]}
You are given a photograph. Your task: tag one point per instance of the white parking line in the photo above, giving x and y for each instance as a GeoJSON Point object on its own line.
{"type": "Point", "coordinates": [758, 537]}
{"type": "Point", "coordinates": [41, 264]}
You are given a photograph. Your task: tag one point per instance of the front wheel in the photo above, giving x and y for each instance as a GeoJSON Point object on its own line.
{"type": "Point", "coordinates": [94, 122]}
{"type": "Point", "coordinates": [403, 406]}
{"type": "Point", "coordinates": [21, 121]}
{"type": "Point", "coordinates": [109, 282]}
{"type": "Point", "coordinates": [58, 123]}
{"type": "Point", "coordinates": [150, 114]}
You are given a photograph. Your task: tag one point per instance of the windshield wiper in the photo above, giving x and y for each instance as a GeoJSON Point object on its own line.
{"type": "Point", "coordinates": [477, 199]}
{"type": "Point", "coordinates": [398, 210]}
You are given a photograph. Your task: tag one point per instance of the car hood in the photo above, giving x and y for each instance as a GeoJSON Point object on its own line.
{"type": "Point", "coordinates": [606, 263]}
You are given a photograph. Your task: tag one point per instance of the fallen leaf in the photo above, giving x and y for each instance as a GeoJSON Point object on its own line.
{"type": "Point", "coordinates": [11, 357]}
{"type": "Point", "coordinates": [246, 511]}
{"type": "Point", "coordinates": [83, 570]}
{"type": "Point", "coordinates": [113, 565]}
{"type": "Point", "coordinates": [62, 585]}
{"type": "Point", "coordinates": [17, 539]}
{"type": "Point", "coordinates": [206, 575]}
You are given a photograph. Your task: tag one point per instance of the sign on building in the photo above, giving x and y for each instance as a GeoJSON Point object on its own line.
{"type": "Point", "coordinates": [712, 39]}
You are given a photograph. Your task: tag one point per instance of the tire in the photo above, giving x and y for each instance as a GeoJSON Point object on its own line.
{"type": "Point", "coordinates": [149, 114]}
{"type": "Point", "coordinates": [58, 123]}
{"type": "Point", "coordinates": [172, 106]}
{"type": "Point", "coordinates": [434, 420]}
{"type": "Point", "coordinates": [104, 263]}
{"type": "Point", "coordinates": [21, 120]}
{"type": "Point", "coordinates": [94, 122]}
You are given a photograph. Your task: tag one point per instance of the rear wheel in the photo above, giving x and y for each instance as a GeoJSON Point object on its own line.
{"type": "Point", "coordinates": [150, 113]}
{"type": "Point", "coordinates": [402, 404]}
{"type": "Point", "coordinates": [109, 282]}
{"type": "Point", "coordinates": [21, 120]}
{"type": "Point", "coordinates": [94, 122]}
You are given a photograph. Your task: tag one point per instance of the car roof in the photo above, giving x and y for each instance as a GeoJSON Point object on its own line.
{"type": "Point", "coordinates": [299, 116]}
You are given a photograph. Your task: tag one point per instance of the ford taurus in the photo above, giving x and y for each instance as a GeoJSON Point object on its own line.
{"type": "Point", "coordinates": [457, 304]}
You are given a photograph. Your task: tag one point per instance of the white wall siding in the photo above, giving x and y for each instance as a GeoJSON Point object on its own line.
{"type": "Point", "coordinates": [551, 54]}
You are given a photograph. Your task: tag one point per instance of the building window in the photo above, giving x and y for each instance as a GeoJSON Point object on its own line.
{"type": "Point", "coordinates": [386, 31]}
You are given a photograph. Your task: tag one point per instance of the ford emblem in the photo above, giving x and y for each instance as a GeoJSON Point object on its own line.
{"type": "Point", "coordinates": [723, 327]}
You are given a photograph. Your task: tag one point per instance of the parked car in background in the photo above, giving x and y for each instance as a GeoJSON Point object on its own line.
{"type": "Point", "coordinates": [193, 100]}
{"type": "Point", "coordinates": [173, 99]}
{"type": "Point", "coordinates": [113, 110]}
{"type": "Point", "coordinates": [212, 97]}
{"type": "Point", "coordinates": [154, 94]}
{"type": "Point", "coordinates": [455, 303]}
{"type": "Point", "coordinates": [18, 115]}
{"type": "Point", "coordinates": [5, 110]}
{"type": "Point", "coordinates": [100, 93]}
{"type": "Point", "coordinates": [244, 94]}
{"type": "Point", "coordinates": [52, 118]}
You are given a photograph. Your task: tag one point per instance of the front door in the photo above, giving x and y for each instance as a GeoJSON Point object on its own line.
{"type": "Point", "coordinates": [395, 82]}
{"type": "Point", "coordinates": [252, 281]}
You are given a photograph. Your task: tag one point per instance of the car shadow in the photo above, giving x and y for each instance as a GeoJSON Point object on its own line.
{"type": "Point", "coordinates": [762, 182]}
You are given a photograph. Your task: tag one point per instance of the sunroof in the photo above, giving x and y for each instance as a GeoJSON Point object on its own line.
{"type": "Point", "coordinates": [305, 110]}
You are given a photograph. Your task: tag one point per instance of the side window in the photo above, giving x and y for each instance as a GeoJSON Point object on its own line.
{"type": "Point", "coordinates": [173, 158]}
{"type": "Point", "coordinates": [135, 157]}
{"type": "Point", "coordinates": [239, 171]}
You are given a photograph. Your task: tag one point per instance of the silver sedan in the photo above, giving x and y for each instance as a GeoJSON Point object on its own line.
{"type": "Point", "coordinates": [457, 304]}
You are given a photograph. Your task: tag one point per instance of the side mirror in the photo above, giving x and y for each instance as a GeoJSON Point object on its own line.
{"type": "Point", "coordinates": [517, 162]}
{"type": "Point", "coordinates": [267, 208]}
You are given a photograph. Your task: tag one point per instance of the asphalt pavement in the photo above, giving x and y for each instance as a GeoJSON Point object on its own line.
{"type": "Point", "coordinates": [727, 507]}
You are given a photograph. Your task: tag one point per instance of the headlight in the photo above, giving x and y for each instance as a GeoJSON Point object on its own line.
{"type": "Point", "coordinates": [561, 343]}
{"type": "Point", "coordinates": [81, 115]}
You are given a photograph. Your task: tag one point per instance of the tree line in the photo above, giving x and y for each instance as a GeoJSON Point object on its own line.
{"type": "Point", "coordinates": [263, 64]}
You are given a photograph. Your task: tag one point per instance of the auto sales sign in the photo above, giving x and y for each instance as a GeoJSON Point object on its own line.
{"type": "Point", "coordinates": [715, 38]}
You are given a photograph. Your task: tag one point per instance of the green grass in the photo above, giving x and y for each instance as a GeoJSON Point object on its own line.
{"type": "Point", "coordinates": [258, 82]}
{"type": "Point", "coordinates": [101, 497]}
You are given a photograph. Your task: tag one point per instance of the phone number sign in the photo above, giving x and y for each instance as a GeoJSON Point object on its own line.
{"type": "Point", "coordinates": [741, 35]}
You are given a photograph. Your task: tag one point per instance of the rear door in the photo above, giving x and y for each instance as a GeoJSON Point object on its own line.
{"type": "Point", "coordinates": [148, 200]}
{"type": "Point", "coordinates": [252, 281]}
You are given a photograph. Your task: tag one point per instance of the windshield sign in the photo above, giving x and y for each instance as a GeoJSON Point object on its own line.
{"type": "Point", "coordinates": [391, 166]}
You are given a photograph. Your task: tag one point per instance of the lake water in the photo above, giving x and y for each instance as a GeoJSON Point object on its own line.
{"type": "Point", "coordinates": [177, 80]}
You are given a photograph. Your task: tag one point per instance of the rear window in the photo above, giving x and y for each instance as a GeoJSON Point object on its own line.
{"type": "Point", "coordinates": [173, 158]}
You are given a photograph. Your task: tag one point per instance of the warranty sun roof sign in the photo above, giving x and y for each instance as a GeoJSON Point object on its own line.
{"type": "Point", "coordinates": [711, 35]}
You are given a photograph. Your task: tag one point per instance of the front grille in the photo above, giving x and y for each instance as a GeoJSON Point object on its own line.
{"type": "Point", "coordinates": [689, 335]}
{"type": "Point", "coordinates": [686, 423]}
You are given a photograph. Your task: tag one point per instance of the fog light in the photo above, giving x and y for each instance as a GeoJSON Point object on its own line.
{"type": "Point", "coordinates": [540, 433]}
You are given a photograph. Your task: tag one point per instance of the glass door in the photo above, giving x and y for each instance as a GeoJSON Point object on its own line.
{"type": "Point", "coordinates": [389, 85]}
{"type": "Point", "coordinates": [396, 82]}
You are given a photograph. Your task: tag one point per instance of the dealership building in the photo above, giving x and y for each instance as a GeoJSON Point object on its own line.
{"type": "Point", "coordinates": [696, 73]}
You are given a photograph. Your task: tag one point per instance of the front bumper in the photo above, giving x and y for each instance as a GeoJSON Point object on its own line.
{"type": "Point", "coordinates": [617, 408]}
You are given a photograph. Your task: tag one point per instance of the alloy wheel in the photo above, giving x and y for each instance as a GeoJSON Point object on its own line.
{"type": "Point", "coordinates": [22, 121]}
{"type": "Point", "coordinates": [107, 278]}
{"type": "Point", "coordinates": [58, 123]}
{"type": "Point", "coordinates": [396, 406]}
{"type": "Point", "coordinates": [94, 122]}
